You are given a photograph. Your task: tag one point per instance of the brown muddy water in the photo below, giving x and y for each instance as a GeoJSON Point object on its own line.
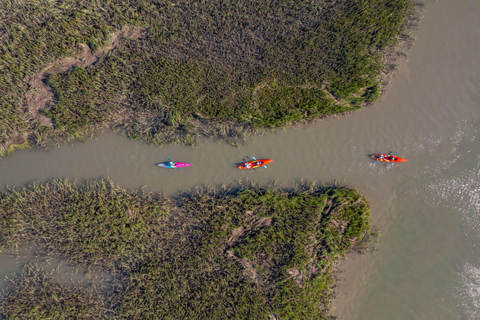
{"type": "Point", "coordinates": [427, 264]}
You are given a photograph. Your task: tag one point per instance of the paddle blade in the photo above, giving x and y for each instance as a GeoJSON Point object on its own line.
{"type": "Point", "coordinates": [254, 158]}
{"type": "Point", "coordinates": [265, 167]}
{"type": "Point", "coordinates": [178, 168]}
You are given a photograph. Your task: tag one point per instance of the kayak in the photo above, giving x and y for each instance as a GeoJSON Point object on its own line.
{"type": "Point", "coordinates": [387, 158]}
{"type": "Point", "coordinates": [173, 165]}
{"type": "Point", "coordinates": [254, 164]}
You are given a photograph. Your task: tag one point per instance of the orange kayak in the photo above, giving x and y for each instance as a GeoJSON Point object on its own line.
{"type": "Point", "coordinates": [387, 158]}
{"type": "Point", "coordinates": [254, 164]}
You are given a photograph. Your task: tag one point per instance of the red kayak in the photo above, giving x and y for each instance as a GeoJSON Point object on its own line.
{"type": "Point", "coordinates": [254, 164]}
{"type": "Point", "coordinates": [387, 158]}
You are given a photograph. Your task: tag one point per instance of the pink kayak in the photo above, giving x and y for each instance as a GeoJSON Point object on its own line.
{"type": "Point", "coordinates": [173, 165]}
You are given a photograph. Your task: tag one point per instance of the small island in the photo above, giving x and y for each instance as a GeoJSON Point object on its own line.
{"type": "Point", "coordinates": [171, 71]}
{"type": "Point", "coordinates": [218, 253]}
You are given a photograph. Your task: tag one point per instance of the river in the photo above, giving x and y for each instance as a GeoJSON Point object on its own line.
{"type": "Point", "coordinates": [427, 262]}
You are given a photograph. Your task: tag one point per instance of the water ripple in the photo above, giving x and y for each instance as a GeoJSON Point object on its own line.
{"type": "Point", "coordinates": [460, 193]}
{"type": "Point", "coordinates": [469, 292]}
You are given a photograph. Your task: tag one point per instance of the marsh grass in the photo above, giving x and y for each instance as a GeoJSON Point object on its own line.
{"type": "Point", "coordinates": [200, 62]}
{"type": "Point", "coordinates": [35, 294]}
{"type": "Point", "coordinates": [97, 225]}
{"type": "Point", "coordinates": [12, 147]}
{"type": "Point", "coordinates": [216, 253]}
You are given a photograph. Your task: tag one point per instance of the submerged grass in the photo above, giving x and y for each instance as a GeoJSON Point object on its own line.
{"type": "Point", "coordinates": [198, 61]}
{"type": "Point", "coordinates": [217, 254]}
{"type": "Point", "coordinates": [35, 294]}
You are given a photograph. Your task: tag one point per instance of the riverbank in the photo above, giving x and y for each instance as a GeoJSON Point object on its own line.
{"type": "Point", "coordinates": [168, 73]}
{"type": "Point", "coordinates": [217, 253]}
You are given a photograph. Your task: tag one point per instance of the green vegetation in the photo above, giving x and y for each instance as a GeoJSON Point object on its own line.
{"type": "Point", "coordinates": [217, 254]}
{"type": "Point", "coordinates": [35, 294]}
{"type": "Point", "coordinates": [286, 105]}
{"type": "Point", "coordinates": [99, 225]}
{"type": "Point", "coordinates": [197, 64]}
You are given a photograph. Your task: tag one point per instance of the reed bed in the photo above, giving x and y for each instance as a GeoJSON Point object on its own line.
{"type": "Point", "coordinates": [35, 294]}
{"type": "Point", "coordinates": [97, 225]}
{"type": "Point", "coordinates": [216, 253]}
{"type": "Point", "coordinates": [260, 64]}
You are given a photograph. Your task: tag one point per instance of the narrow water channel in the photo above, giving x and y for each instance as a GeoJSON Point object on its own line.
{"type": "Point", "coordinates": [427, 264]}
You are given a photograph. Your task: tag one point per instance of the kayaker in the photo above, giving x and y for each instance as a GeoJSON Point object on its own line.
{"type": "Point", "coordinates": [248, 165]}
{"type": "Point", "coordinates": [173, 164]}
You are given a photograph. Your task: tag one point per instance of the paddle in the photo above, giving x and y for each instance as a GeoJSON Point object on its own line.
{"type": "Point", "coordinates": [256, 160]}
{"type": "Point", "coordinates": [392, 162]}
{"type": "Point", "coordinates": [373, 163]}
{"type": "Point", "coordinates": [172, 161]}
{"type": "Point", "coordinates": [245, 162]}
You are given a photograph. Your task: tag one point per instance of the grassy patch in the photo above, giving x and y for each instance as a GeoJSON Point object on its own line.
{"type": "Point", "coordinates": [280, 105]}
{"type": "Point", "coordinates": [216, 255]}
{"type": "Point", "coordinates": [97, 225]}
{"type": "Point", "coordinates": [202, 60]}
{"type": "Point", "coordinates": [35, 294]}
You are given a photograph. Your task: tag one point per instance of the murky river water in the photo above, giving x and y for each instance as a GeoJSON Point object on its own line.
{"type": "Point", "coordinates": [427, 265]}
